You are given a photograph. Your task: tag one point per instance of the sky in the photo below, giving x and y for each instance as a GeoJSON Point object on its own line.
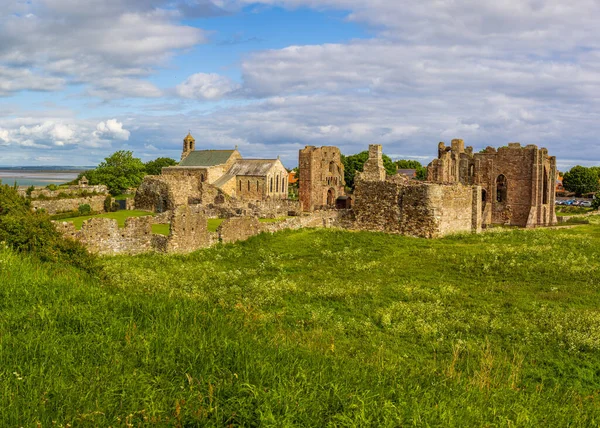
{"type": "Point", "coordinates": [81, 79]}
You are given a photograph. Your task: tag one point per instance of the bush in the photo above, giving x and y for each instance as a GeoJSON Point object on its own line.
{"type": "Point", "coordinates": [84, 209]}
{"type": "Point", "coordinates": [33, 233]}
{"type": "Point", "coordinates": [108, 204]}
{"type": "Point", "coordinates": [30, 190]}
{"type": "Point", "coordinates": [52, 187]}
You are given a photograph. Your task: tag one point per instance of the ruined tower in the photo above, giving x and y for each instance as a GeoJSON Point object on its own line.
{"type": "Point", "coordinates": [373, 169]}
{"type": "Point", "coordinates": [189, 145]}
{"type": "Point", "coordinates": [517, 182]}
{"type": "Point", "coordinates": [321, 177]}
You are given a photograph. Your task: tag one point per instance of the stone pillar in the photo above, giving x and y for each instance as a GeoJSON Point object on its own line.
{"type": "Point", "coordinates": [373, 169]}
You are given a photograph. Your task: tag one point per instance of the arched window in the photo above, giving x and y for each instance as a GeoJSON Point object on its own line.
{"type": "Point", "coordinates": [240, 185]}
{"type": "Point", "coordinates": [332, 167]}
{"type": "Point", "coordinates": [201, 178]}
{"type": "Point", "coordinates": [271, 187]}
{"type": "Point", "coordinates": [471, 170]}
{"type": "Point", "coordinates": [277, 184]}
{"type": "Point", "coordinates": [257, 185]}
{"type": "Point", "coordinates": [545, 187]}
{"type": "Point", "coordinates": [248, 185]}
{"type": "Point", "coordinates": [501, 188]}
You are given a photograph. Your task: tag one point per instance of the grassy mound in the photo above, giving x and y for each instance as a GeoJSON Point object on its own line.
{"type": "Point", "coordinates": [311, 328]}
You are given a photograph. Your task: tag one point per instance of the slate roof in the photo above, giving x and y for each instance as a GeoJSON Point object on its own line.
{"type": "Point", "coordinates": [256, 167]}
{"type": "Point", "coordinates": [223, 180]}
{"type": "Point", "coordinates": [206, 158]}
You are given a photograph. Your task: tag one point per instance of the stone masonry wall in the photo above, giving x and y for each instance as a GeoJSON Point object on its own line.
{"type": "Point", "coordinates": [189, 231]}
{"type": "Point", "coordinates": [241, 228]}
{"type": "Point", "coordinates": [54, 206]}
{"type": "Point", "coordinates": [415, 209]}
{"type": "Point", "coordinates": [103, 236]}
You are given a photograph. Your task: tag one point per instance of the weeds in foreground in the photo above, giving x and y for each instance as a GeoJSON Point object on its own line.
{"type": "Point", "coordinates": [311, 328]}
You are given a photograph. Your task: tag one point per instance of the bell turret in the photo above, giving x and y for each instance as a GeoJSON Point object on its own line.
{"type": "Point", "coordinates": [189, 145]}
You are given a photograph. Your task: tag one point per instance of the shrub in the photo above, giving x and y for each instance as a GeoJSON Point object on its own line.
{"type": "Point", "coordinates": [63, 195]}
{"type": "Point", "coordinates": [52, 187]}
{"type": "Point", "coordinates": [108, 204]}
{"type": "Point", "coordinates": [84, 209]}
{"type": "Point", "coordinates": [34, 233]}
{"type": "Point", "coordinates": [30, 190]}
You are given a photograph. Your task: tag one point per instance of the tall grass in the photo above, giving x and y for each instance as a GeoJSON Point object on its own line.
{"type": "Point", "coordinates": [311, 328]}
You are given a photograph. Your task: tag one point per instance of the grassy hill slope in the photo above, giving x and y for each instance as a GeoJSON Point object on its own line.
{"type": "Point", "coordinates": [311, 328]}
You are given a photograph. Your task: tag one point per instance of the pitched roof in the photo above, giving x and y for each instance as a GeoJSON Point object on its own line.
{"type": "Point", "coordinates": [257, 167]}
{"type": "Point", "coordinates": [206, 158]}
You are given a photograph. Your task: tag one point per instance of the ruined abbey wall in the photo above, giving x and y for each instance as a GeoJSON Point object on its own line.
{"type": "Point", "coordinates": [517, 182]}
{"type": "Point", "coordinates": [103, 236]}
{"type": "Point", "coordinates": [321, 177]}
{"type": "Point", "coordinates": [426, 210]}
{"type": "Point", "coordinates": [54, 206]}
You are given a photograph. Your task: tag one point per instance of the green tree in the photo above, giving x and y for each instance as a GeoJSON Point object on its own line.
{"type": "Point", "coordinates": [118, 172]}
{"type": "Point", "coordinates": [581, 180]}
{"type": "Point", "coordinates": [154, 167]}
{"type": "Point", "coordinates": [408, 164]}
{"type": "Point", "coordinates": [355, 163]}
{"type": "Point", "coordinates": [421, 171]}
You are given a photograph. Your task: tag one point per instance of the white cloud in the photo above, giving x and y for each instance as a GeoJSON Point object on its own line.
{"type": "Point", "coordinates": [112, 46]}
{"type": "Point", "coordinates": [111, 130]}
{"type": "Point", "coordinates": [202, 86]}
{"type": "Point", "coordinates": [14, 79]}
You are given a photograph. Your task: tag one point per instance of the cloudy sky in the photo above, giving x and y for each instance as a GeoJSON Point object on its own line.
{"type": "Point", "coordinates": [80, 79]}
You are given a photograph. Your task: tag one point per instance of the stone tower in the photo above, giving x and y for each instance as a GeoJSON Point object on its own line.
{"type": "Point", "coordinates": [373, 169]}
{"type": "Point", "coordinates": [189, 145]}
{"type": "Point", "coordinates": [321, 177]}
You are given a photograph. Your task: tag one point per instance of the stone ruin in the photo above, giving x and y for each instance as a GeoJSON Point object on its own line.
{"type": "Point", "coordinates": [188, 231]}
{"type": "Point", "coordinates": [518, 183]}
{"type": "Point", "coordinates": [321, 181]}
{"type": "Point", "coordinates": [465, 191]}
{"type": "Point", "coordinates": [396, 204]}
{"type": "Point", "coordinates": [67, 199]}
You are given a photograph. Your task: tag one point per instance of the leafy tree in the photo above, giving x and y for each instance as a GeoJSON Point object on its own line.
{"type": "Point", "coordinates": [355, 163]}
{"type": "Point", "coordinates": [581, 180]}
{"type": "Point", "coordinates": [155, 166]}
{"type": "Point", "coordinates": [118, 172]}
{"type": "Point", "coordinates": [596, 201]}
{"type": "Point", "coordinates": [421, 171]}
{"type": "Point", "coordinates": [408, 164]}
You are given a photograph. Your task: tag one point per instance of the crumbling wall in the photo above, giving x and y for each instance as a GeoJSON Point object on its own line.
{"type": "Point", "coordinates": [103, 235]}
{"type": "Point", "coordinates": [70, 190]}
{"type": "Point", "coordinates": [189, 230]}
{"type": "Point", "coordinates": [426, 210]}
{"type": "Point", "coordinates": [373, 169]}
{"type": "Point", "coordinates": [160, 193]}
{"type": "Point", "coordinates": [55, 206]}
{"type": "Point", "coordinates": [528, 194]}
{"type": "Point", "coordinates": [239, 229]}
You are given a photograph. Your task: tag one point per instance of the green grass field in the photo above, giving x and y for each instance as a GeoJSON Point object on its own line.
{"type": "Point", "coordinates": [311, 328]}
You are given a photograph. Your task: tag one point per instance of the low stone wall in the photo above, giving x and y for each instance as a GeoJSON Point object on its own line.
{"type": "Point", "coordinates": [566, 218]}
{"type": "Point", "coordinates": [241, 228]}
{"type": "Point", "coordinates": [427, 210]}
{"type": "Point", "coordinates": [103, 235]}
{"type": "Point", "coordinates": [54, 206]}
{"type": "Point", "coordinates": [71, 190]}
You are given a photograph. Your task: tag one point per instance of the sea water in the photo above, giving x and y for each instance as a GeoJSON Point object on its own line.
{"type": "Point", "coordinates": [36, 178]}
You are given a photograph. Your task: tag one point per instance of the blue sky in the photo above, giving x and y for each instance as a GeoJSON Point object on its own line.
{"type": "Point", "coordinates": [80, 79]}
